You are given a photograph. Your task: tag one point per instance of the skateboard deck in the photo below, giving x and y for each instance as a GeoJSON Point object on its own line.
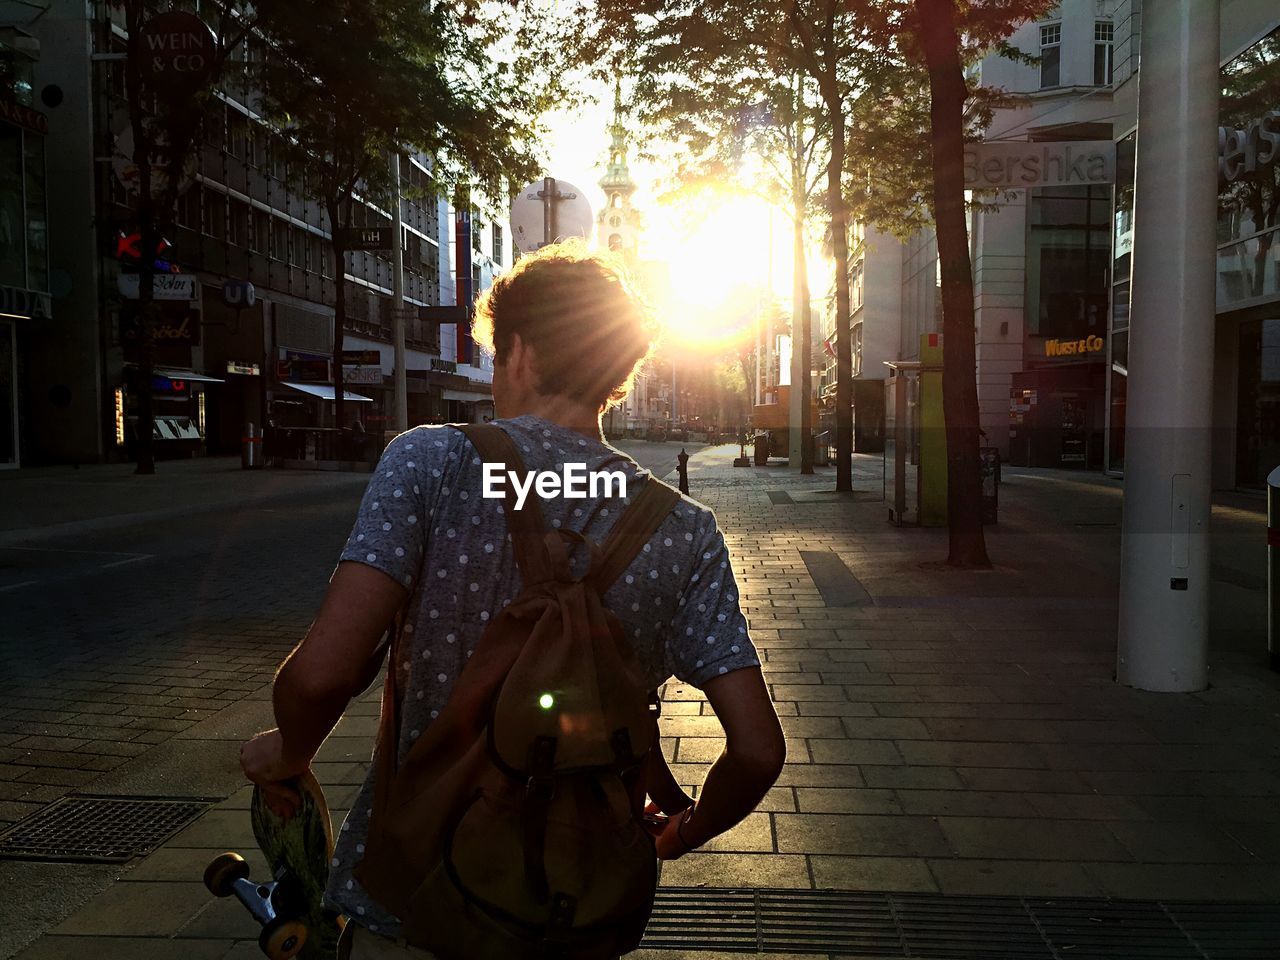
{"type": "Point", "coordinates": [298, 851]}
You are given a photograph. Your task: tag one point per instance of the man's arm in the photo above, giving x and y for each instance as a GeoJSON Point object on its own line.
{"type": "Point", "coordinates": [319, 678]}
{"type": "Point", "coordinates": [755, 750]}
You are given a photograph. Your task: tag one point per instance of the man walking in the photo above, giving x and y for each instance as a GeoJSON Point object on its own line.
{"type": "Point", "coordinates": [428, 544]}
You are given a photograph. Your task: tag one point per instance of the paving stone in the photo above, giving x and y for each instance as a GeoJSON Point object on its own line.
{"type": "Point", "coordinates": [965, 803]}
{"type": "Point", "coordinates": [753, 835]}
{"type": "Point", "coordinates": [1174, 842]}
{"type": "Point", "coordinates": [1017, 839]}
{"type": "Point", "coordinates": [859, 834]}
{"type": "Point", "coordinates": [137, 910]}
{"type": "Point", "coordinates": [897, 874]}
{"type": "Point", "coordinates": [124, 948]}
{"type": "Point", "coordinates": [878, 752]}
{"type": "Point", "coordinates": [956, 754]}
{"type": "Point", "coordinates": [1014, 878]}
{"type": "Point", "coordinates": [846, 800]}
{"type": "Point", "coordinates": [700, 869]}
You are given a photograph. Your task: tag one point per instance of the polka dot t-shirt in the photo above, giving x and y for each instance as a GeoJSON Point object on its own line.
{"type": "Point", "coordinates": [425, 523]}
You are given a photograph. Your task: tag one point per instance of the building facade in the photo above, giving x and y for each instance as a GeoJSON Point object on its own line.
{"type": "Point", "coordinates": [26, 312]}
{"type": "Point", "coordinates": [1246, 381]}
{"type": "Point", "coordinates": [248, 293]}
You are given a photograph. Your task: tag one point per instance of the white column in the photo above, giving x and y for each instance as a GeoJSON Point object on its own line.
{"type": "Point", "coordinates": [401, 394]}
{"type": "Point", "coordinates": [1164, 569]}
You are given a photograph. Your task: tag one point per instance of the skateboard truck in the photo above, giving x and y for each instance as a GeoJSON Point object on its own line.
{"type": "Point", "coordinates": [282, 937]}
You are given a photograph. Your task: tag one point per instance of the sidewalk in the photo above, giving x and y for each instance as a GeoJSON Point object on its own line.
{"type": "Point", "coordinates": [45, 502]}
{"type": "Point", "coordinates": [950, 733]}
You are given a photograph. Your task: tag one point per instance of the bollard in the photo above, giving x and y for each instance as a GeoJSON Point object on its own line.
{"type": "Point", "coordinates": [683, 467]}
{"type": "Point", "coordinates": [250, 448]}
{"type": "Point", "coordinates": [1273, 565]}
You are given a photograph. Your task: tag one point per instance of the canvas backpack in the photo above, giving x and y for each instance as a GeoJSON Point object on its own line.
{"type": "Point", "coordinates": [512, 829]}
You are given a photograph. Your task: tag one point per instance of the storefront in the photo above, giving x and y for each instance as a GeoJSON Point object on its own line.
{"type": "Point", "coordinates": [1057, 402]}
{"type": "Point", "coordinates": [24, 255]}
{"type": "Point", "coordinates": [1246, 443]}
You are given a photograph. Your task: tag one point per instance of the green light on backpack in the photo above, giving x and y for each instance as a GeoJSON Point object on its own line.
{"type": "Point", "coordinates": [546, 701]}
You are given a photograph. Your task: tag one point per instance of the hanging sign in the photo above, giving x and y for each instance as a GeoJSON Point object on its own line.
{"type": "Point", "coordinates": [165, 286]}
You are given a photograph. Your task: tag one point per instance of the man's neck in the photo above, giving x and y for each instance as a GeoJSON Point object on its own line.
{"type": "Point", "coordinates": [564, 412]}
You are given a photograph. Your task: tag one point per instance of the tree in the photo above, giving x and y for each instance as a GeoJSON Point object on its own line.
{"type": "Point", "coordinates": [944, 36]}
{"type": "Point", "coordinates": [350, 81]}
{"type": "Point", "coordinates": [727, 45]}
{"type": "Point", "coordinates": [164, 131]}
{"type": "Point", "coordinates": [773, 149]}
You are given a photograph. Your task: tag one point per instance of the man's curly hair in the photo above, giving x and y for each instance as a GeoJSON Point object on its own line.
{"type": "Point", "coordinates": [578, 310]}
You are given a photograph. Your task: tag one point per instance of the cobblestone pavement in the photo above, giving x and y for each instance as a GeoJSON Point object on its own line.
{"type": "Point", "coordinates": [952, 732]}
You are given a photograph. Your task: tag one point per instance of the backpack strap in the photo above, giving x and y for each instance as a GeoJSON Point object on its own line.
{"type": "Point", "coordinates": [525, 525]}
{"type": "Point", "coordinates": [638, 523]}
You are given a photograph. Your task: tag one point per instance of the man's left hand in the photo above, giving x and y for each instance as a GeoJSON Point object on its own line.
{"type": "Point", "coordinates": [264, 762]}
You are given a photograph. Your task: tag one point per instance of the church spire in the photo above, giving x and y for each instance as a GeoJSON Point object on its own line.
{"type": "Point", "coordinates": [619, 223]}
{"type": "Point", "coordinates": [617, 178]}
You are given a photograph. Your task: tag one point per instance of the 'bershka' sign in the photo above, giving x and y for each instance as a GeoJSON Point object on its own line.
{"type": "Point", "coordinates": [1017, 165]}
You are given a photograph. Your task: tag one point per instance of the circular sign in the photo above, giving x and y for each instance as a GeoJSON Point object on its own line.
{"type": "Point", "coordinates": [570, 214]}
{"type": "Point", "coordinates": [177, 53]}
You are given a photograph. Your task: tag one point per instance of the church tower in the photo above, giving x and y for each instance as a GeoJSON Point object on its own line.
{"type": "Point", "coordinates": [618, 224]}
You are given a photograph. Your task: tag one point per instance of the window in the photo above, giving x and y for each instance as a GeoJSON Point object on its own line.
{"type": "Point", "coordinates": [258, 241]}
{"type": "Point", "coordinates": [237, 132]}
{"type": "Point", "coordinates": [1103, 34]}
{"type": "Point", "coordinates": [497, 244]}
{"type": "Point", "coordinates": [238, 223]}
{"type": "Point", "coordinates": [276, 231]}
{"type": "Point", "coordinates": [215, 214]}
{"type": "Point", "coordinates": [477, 241]}
{"type": "Point", "coordinates": [1050, 55]}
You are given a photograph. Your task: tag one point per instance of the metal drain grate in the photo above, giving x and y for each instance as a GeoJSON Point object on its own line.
{"type": "Point", "coordinates": [850, 924]}
{"type": "Point", "coordinates": [99, 829]}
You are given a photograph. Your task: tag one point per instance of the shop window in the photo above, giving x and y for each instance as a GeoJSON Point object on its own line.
{"type": "Point", "coordinates": [1068, 261]}
{"type": "Point", "coordinates": [37, 231]}
{"type": "Point", "coordinates": [1258, 413]}
{"type": "Point", "coordinates": [1103, 40]}
{"type": "Point", "coordinates": [13, 267]}
{"type": "Point", "coordinates": [1050, 55]}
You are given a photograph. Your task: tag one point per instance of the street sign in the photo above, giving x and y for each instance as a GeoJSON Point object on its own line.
{"type": "Point", "coordinates": [239, 293]}
{"type": "Point", "coordinates": [366, 238]}
{"type": "Point", "coordinates": [178, 54]}
{"type": "Point", "coordinates": [166, 286]}
{"type": "Point", "coordinates": [548, 210]}
{"type": "Point", "coordinates": [442, 314]}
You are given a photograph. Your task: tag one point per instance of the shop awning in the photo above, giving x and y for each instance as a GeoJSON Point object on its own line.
{"type": "Point", "coordinates": [468, 395]}
{"type": "Point", "coordinates": [170, 373]}
{"type": "Point", "coordinates": [324, 391]}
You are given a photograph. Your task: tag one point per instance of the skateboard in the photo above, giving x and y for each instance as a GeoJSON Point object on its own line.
{"type": "Point", "coordinates": [289, 906]}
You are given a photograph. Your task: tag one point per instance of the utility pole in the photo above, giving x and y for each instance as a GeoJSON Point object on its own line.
{"type": "Point", "coordinates": [400, 413]}
{"type": "Point", "coordinates": [1164, 562]}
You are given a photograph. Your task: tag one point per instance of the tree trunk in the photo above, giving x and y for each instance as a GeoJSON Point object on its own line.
{"type": "Point", "coordinates": [948, 92]}
{"type": "Point", "coordinates": [801, 322]}
{"type": "Point", "coordinates": [844, 334]}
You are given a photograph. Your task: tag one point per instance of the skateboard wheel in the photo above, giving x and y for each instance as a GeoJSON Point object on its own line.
{"type": "Point", "coordinates": [283, 939]}
{"type": "Point", "coordinates": [222, 873]}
